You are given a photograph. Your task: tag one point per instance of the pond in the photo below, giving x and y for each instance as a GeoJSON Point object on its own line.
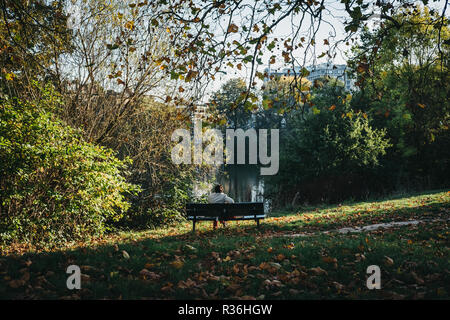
{"type": "Point", "coordinates": [242, 183]}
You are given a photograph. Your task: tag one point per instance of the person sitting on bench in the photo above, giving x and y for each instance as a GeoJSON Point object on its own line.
{"type": "Point", "coordinates": [219, 197]}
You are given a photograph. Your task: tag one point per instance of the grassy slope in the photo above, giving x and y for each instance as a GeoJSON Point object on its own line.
{"type": "Point", "coordinates": [240, 261]}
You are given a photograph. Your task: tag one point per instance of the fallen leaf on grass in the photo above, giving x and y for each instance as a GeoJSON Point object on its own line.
{"type": "Point", "coordinates": [396, 296]}
{"type": "Point", "coordinates": [233, 287]}
{"type": "Point", "coordinates": [416, 277]}
{"type": "Point", "coordinates": [338, 286]}
{"type": "Point", "coordinates": [16, 283]}
{"type": "Point", "coordinates": [263, 265]}
{"type": "Point", "coordinates": [85, 277]}
{"type": "Point", "coordinates": [275, 265]}
{"type": "Point", "coordinates": [190, 248]}
{"type": "Point", "coordinates": [149, 265]}
{"type": "Point", "coordinates": [360, 257]}
{"type": "Point", "coordinates": [177, 264]}
{"type": "Point", "coordinates": [388, 261]}
{"type": "Point", "coordinates": [146, 274]}
{"type": "Point", "coordinates": [441, 291]}
{"type": "Point", "coordinates": [85, 268]}
{"type": "Point", "coordinates": [280, 257]}
{"type": "Point", "coordinates": [272, 283]}
{"type": "Point", "coordinates": [189, 283]}
{"type": "Point", "coordinates": [318, 271]}
{"type": "Point", "coordinates": [125, 254]}
{"type": "Point", "coordinates": [290, 246]}
{"type": "Point", "coordinates": [329, 260]}
{"type": "Point", "coordinates": [167, 287]}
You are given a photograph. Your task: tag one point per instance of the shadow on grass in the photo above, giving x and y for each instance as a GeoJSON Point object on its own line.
{"type": "Point", "coordinates": [324, 206]}
{"type": "Point", "coordinates": [115, 270]}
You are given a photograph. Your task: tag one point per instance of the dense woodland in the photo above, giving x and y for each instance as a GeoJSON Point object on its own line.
{"type": "Point", "coordinates": [90, 94]}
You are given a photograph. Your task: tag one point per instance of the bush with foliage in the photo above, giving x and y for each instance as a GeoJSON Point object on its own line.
{"type": "Point", "coordinates": [55, 187]}
{"type": "Point", "coordinates": [406, 91]}
{"type": "Point", "coordinates": [146, 137]}
{"type": "Point", "coordinates": [325, 154]}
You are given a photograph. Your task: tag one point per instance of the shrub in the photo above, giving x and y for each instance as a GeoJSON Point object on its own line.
{"type": "Point", "coordinates": [326, 155]}
{"type": "Point", "coordinates": [54, 186]}
{"type": "Point", "coordinates": [145, 137]}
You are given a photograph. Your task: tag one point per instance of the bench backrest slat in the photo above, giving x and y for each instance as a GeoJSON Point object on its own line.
{"type": "Point", "coordinates": [224, 209]}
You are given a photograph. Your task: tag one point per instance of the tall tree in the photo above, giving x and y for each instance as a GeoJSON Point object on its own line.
{"type": "Point", "coordinates": [405, 85]}
{"type": "Point", "coordinates": [229, 106]}
{"type": "Point", "coordinates": [209, 36]}
{"type": "Point", "coordinates": [33, 35]}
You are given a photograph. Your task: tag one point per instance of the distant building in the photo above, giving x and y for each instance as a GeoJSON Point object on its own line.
{"type": "Point", "coordinates": [338, 71]}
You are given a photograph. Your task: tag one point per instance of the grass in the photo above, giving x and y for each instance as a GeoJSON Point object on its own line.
{"type": "Point", "coordinates": [243, 262]}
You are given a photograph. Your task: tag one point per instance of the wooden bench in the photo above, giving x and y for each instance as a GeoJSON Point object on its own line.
{"type": "Point", "coordinates": [225, 211]}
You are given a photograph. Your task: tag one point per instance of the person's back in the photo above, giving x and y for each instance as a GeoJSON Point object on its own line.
{"type": "Point", "coordinates": [219, 197]}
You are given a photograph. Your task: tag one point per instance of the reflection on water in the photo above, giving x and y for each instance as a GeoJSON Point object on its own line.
{"type": "Point", "coordinates": [242, 182]}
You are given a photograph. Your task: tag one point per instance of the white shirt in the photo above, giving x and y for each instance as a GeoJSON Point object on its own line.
{"type": "Point", "coordinates": [219, 198]}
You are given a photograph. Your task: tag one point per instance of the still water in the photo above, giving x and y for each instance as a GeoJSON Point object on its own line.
{"type": "Point", "coordinates": [242, 183]}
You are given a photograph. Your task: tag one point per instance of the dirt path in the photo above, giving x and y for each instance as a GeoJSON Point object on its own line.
{"type": "Point", "coordinates": [371, 227]}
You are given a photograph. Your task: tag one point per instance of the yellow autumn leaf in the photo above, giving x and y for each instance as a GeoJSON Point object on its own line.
{"type": "Point", "coordinates": [329, 260]}
{"type": "Point", "coordinates": [125, 254]}
{"type": "Point", "coordinates": [388, 261]}
{"type": "Point", "coordinates": [280, 257]}
{"type": "Point", "coordinates": [129, 25]}
{"type": "Point", "coordinates": [233, 28]}
{"type": "Point", "coordinates": [177, 264]}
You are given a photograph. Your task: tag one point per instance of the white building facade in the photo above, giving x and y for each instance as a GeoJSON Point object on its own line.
{"type": "Point", "coordinates": [338, 71]}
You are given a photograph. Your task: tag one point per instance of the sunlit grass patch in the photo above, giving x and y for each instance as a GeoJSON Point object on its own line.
{"type": "Point", "coordinates": [242, 261]}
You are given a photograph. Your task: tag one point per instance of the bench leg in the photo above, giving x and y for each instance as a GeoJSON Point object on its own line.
{"type": "Point", "coordinates": [193, 226]}
{"type": "Point", "coordinates": [257, 223]}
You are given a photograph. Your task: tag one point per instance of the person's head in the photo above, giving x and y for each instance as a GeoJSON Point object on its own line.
{"type": "Point", "coordinates": [218, 188]}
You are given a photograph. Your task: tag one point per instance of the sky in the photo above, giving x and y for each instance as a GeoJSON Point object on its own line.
{"type": "Point", "coordinates": [334, 17]}
{"type": "Point", "coordinates": [332, 28]}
